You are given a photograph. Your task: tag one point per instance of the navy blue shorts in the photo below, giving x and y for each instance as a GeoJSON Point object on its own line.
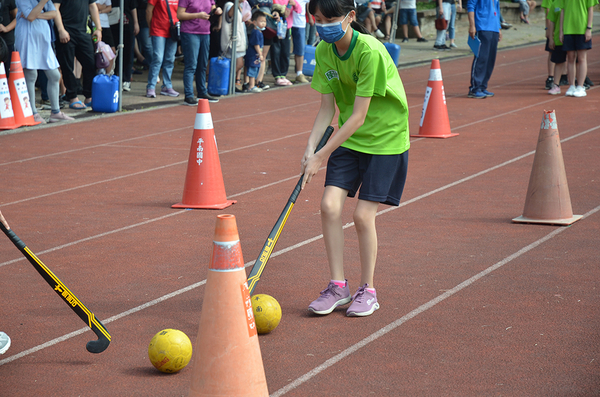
{"type": "Point", "coordinates": [380, 178]}
{"type": "Point", "coordinates": [408, 16]}
{"type": "Point", "coordinates": [559, 55]}
{"type": "Point", "coordinates": [576, 42]}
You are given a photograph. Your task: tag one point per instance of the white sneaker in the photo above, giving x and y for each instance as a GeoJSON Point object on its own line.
{"type": "Point", "coordinates": [571, 91]}
{"type": "Point", "coordinates": [579, 92]}
{"type": "Point", "coordinates": [4, 342]}
{"type": "Point", "coordinates": [379, 34]}
{"type": "Point", "coordinates": [56, 117]}
{"type": "Point", "coordinates": [127, 86]}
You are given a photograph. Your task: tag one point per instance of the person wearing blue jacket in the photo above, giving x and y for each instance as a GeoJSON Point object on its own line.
{"type": "Point", "coordinates": [484, 25]}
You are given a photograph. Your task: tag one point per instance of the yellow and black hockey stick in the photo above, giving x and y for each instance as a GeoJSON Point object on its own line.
{"type": "Point", "coordinates": [265, 253]}
{"type": "Point", "coordinates": [94, 346]}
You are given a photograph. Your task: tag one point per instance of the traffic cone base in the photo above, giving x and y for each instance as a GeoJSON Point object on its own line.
{"type": "Point", "coordinates": [434, 116]}
{"type": "Point", "coordinates": [559, 222]}
{"type": "Point", "coordinates": [227, 360]}
{"type": "Point", "coordinates": [548, 200]}
{"type": "Point", "coordinates": [204, 187]}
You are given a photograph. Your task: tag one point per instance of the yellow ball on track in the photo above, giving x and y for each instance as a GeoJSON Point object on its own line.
{"type": "Point", "coordinates": [170, 350]}
{"type": "Point", "coordinates": [267, 313]}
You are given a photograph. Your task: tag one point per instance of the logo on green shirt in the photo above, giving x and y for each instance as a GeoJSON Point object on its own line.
{"type": "Point", "coordinates": [332, 74]}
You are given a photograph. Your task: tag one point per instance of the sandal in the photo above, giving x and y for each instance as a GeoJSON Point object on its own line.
{"type": "Point", "coordinates": [77, 105]}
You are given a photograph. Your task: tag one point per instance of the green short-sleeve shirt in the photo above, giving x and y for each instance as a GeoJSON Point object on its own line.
{"type": "Point", "coordinates": [365, 70]}
{"type": "Point", "coordinates": [554, 17]}
{"type": "Point", "coordinates": [546, 4]}
{"type": "Point", "coordinates": [576, 14]}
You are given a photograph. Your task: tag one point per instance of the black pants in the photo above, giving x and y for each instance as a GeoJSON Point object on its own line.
{"type": "Point", "coordinates": [81, 47]}
{"type": "Point", "coordinates": [280, 55]}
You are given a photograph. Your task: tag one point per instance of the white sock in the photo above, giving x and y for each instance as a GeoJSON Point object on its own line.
{"type": "Point", "coordinates": [299, 73]}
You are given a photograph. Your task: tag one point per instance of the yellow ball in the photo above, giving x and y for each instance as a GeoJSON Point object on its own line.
{"type": "Point", "coordinates": [267, 313]}
{"type": "Point", "coordinates": [170, 350]}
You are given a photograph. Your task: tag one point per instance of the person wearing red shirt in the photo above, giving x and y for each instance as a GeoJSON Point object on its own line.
{"type": "Point", "coordinates": [164, 47]}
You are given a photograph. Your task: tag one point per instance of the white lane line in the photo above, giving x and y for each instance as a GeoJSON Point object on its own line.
{"type": "Point", "coordinates": [191, 127]}
{"type": "Point", "coordinates": [419, 310]}
{"type": "Point", "coordinates": [287, 249]}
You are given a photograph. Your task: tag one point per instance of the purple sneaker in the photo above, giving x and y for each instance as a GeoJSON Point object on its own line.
{"type": "Point", "coordinates": [169, 92]}
{"type": "Point", "coordinates": [331, 297]}
{"type": "Point", "coordinates": [364, 303]}
{"type": "Point", "coordinates": [150, 93]}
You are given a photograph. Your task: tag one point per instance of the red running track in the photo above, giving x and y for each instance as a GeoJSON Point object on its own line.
{"type": "Point", "coordinates": [471, 304]}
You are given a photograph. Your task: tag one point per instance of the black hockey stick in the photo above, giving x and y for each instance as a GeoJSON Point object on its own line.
{"type": "Point", "coordinates": [94, 346]}
{"type": "Point", "coordinates": [265, 253]}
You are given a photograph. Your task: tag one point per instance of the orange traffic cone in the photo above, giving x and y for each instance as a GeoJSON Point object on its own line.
{"type": "Point", "coordinates": [434, 117]}
{"type": "Point", "coordinates": [227, 358]}
{"type": "Point", "coordinates": [7, 117]}
{"type": "Point", "coordinates": [21, 103]}
{"type": "Point", "coordinates": [204, 186]}
{"type": "Point", "coordinates": [548, 200]}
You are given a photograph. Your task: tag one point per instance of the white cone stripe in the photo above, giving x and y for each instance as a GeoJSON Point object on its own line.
{"type": "Point", "coordinates": [435, 75]}
{"type": "Point", "coordinates": [203, 121]}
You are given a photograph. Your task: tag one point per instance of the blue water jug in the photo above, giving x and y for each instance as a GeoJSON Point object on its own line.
{"type": "Point", "coordinates": [308, 67]}
{"type": "Point", "coordinates": [394, 50]}
{"type": "Point", "coordinates": [218, 76]}
{"type": "Point", "coordinates": [105, 93]}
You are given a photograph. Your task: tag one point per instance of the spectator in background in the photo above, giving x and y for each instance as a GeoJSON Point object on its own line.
{"type": "Point", "coordinates": [408, 15]}
{"type": "Point", "coordinates": [131, 28]}
{"type": "Point", "coordinates": [311, 28]}
{"type": "Point", "coordinates": [366, 16]}
{"type": "Point", "coordinates": [443, 11]}
{"type": "Point", "coordinates": [484, 24]}
{"type": "Point", "coordinates": [195, 42]}
{"type": "Point", "coordinates": [104, 8]}
{"type": "Point", "coordinates": [299, 38]}
{"type": "Point", "coordinates": [74, 42]}
{"type": "Point", "coordinates": [143, 37]}
{"type": "Point", "coordinates": [34, 46]}
{"type": "Point", "coordinates": [226, 41]}
{"type": "Point", "coordinates": [525, 6]}
{"type": "Point", "coordinates": [163, 46]}
{"type": "Point", "coordinates": [454, 6]}
{"type": "Point", "coordinates": [280, 49]}
{"type": "Point", "coordinates": [8, 21]}
{"type": "Point", "coordinates": [254, 55]}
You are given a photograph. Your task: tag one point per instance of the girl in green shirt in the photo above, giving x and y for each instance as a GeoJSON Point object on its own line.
{"type": "Point", "coordinates": [369, 152]}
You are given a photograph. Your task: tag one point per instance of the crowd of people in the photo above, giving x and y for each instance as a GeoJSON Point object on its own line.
{"type": "Point", "coordinates": [57, 37]}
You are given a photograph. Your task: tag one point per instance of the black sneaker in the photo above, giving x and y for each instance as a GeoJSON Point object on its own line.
{"type": "Point", "coordinates": [422, 40]}
{"type": "Point", "coordinates": [210, 99]}
{"type": "Point", "coordinates": [441, 47]}
{"type": "Point", "coordinates": [263, 86]}
{"type": "Point", "coordinates": [549, 82]}
{"type": "Point", "coordinates": [563, 80]}
{"type": "Point", "coordinates": [587, 83]}
{"type": "Point", "coordinates": [405, 40]}
{"type": "Point", "coordinates": [190, 101]}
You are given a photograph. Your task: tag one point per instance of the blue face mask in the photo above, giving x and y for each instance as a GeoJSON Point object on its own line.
{"type": "Point", "coordinates": [331, 32]}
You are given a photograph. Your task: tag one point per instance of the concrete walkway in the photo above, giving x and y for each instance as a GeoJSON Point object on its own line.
{"type": "Point", "coordinates": [412, 54]}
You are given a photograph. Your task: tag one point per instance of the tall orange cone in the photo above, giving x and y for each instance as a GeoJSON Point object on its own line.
{"type": "Point", "coordinates": [434, 117]}
{"type": "Point", "coordinates": [21, 103]}
{"type": "Point", "coordinates": [204, 187]}
{"type": "Point", "coordinates": [7, 117]}
{"type": "Point", "coordinates": [548, 200]}
{"type": "Point", "coordinates": [227, 358]}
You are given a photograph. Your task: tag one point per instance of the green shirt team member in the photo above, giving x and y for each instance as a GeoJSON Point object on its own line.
{"type": "Point", "coordinates": [370, 150]}
{"type": "Point", "coordinates": [576, 35]}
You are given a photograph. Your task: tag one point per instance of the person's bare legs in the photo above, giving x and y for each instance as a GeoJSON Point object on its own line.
{"type": "Point", "coordinates": [581, 66]}
{"type": "Point", "coordinates": [364, 222]}
{"type": "Point", "coordinates": [332, 205]}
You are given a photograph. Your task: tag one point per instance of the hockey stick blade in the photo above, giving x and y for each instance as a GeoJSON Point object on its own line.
{"type": "Point", "coordinates": [104, 338]}
{"type": "Point", "coordinates": [267, 250]}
